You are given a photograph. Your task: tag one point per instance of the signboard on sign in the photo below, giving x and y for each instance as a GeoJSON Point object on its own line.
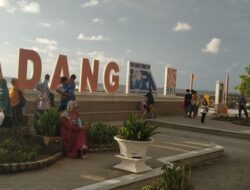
{"type": "Point", "coordinates": [170, 81]}
{"type": "Point", "coordinates": [139, 78]}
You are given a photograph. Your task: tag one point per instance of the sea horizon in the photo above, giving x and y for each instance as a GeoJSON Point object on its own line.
{"type": "Point", "coordinates": [122, 89]}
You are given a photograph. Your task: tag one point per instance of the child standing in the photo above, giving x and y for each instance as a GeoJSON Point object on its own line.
{"type": "Point", "coordinates": [204, 110]}
{"type": "Point", "coordinates": [143, 108]}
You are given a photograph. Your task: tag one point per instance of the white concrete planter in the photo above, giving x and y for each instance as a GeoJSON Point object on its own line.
{"type": "Point", "coordinates": [133, 149]}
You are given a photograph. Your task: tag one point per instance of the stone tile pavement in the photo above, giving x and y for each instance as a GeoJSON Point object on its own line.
{"type": "Point", "coordinates": [75, 173]}
{"type": "Point", "coordinates": [209, 123]}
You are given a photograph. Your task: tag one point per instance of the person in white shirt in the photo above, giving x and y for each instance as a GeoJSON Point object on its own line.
{"type": "Point", "coordinates": [204, 111]}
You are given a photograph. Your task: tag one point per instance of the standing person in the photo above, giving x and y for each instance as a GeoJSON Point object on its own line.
{"type": "Point", "coordinates": [45, 81]}
{"type": "Point", "coordinates": [43, 102]}
{"type": "Point", "coordinates": [195, 103]}
{"type": "Point", "coordinates": [66, 94]}
{"type": "Point", "coordinates": [73, 132]}
{"type": "Point", "coordinates": [192, 107]}
{"type": "Point", "coordinates": [150, 103]}
{"type": "Point", "coordinates": [143, 108]}
{"type": "Point", "coordinates": [187, 102]}
{"type": "Point", "coordinates": [15, 94]}
{"type": "Point", "coordinates": [73, 85]}
{"type": "Point", "coordinates": [204, 111]}
{"type": "Point", "coordinates": [45, 84]}
{"type": "Point", "coordinates": [5, 103]}
{"type": "Point", "coordinates": [242, 105]}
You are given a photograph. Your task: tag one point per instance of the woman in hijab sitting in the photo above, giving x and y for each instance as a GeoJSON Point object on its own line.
{"type": "Point", "coordinates": [5, 103]}
{"type": "Point", "coordinates": [73, 132]}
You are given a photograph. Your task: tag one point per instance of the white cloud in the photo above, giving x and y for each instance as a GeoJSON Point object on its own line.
{"type": "Point", "coordinates": [48, 49]}
{"type": "Point", "coordinates": [4, 3]}
{"type": "Point", "coordinates": [231, 68]}
{"type": "Point", "coordinates": [92, 38]}
{"type": "Point", "coordinates": [98, 20]}
{"type": "Point", "coordinates": [27, 7]}
{"type": "Point", "coordinates": [61, 22]}
{"type": "Point", "coordinates": [49, 25]}
{"type": "Point", "coordinates": [6, 43]}
{"type": "Point", "coordinates": [44, 24]}
{"type": "Point", "coordinates": [51, 47]}
{"type": "Point", "coordinates": [213, 46]}
{"type": "Point", "coordinates": [11, 9]}
{"type": "Point", "coordinates": [123, 20]}
{"type": "Point", "coordinates": [128, 51]}
{"type": "Point", "coordinates": [36, 49]}
{"type": "Point", "coordinates": [104, 59]}
{"type": "Point", "coordinates": [90, 3]}
{"type": "Point", "coordinates": [162, 63]}
{"type": "Point", "coordinates": [45, 41]}
{"type": "Point", "coordinates": [182, 26]}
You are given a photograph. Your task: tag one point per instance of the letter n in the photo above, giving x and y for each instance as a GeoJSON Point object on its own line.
{"type": "Point", "coordinates": [88, 76]}
{"type": "Point", "coordinates": [26, 55]}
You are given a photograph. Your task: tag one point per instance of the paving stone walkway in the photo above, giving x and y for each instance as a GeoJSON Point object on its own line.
{"type": "Point", "coordinates": [74, 173]}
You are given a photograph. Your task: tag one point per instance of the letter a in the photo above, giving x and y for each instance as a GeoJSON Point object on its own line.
{"type": "Point", "coordinates": [24, 56]}
{"type": "Point", "coordinates": [61, 68]}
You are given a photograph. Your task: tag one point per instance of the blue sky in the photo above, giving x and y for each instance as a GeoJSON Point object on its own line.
{"type": "Point", "coordinates": [209, 38]}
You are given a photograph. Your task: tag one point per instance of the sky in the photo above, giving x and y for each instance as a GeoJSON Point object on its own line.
{"type": "Point", "coordinates": [209, 38]}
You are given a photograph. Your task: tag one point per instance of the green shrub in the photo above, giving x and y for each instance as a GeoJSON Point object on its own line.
{"type": "Point", "coordinates": [137, 129]}
{"type": "Point", "coordinates": [242, 121]}
{"type": "Point", "coordinates": [47, 124]}
{"type": "Point", "coordinates": [14, 132]}
{"type": "Point", "coordinates": [174, 177]}
{"type": "Point", "coordinates": [225, 118]}
{"type": "Point", "coordinates": [15, 151]}
{"type": "Point", "coordinates": [101, 134]}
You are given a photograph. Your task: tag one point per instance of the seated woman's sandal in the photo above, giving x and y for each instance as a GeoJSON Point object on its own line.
{"type": "Point", "coordinates": [83, 154]}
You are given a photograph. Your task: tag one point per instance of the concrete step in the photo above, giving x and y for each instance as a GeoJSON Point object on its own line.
{"type": "Point", "coordinates": [92, 116]}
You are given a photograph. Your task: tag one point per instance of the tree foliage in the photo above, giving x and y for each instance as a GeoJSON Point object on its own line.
{"type": "Point", "coordinates": [244, 86]}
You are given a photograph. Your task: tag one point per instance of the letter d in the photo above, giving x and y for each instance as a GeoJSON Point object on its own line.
{"type": "Point", "coordinates": [33, 56]}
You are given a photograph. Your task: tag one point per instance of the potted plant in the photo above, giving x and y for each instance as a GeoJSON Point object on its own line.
{"type": "Point", "coordinates": [135, 137]}
{"type": "Point", "coordinates": [47, 125]}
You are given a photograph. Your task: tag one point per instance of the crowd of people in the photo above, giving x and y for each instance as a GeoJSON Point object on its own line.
{"type": "Point", "coordinates": [192, 103]}
{"type": "Point", "coordinates": [72, 129]}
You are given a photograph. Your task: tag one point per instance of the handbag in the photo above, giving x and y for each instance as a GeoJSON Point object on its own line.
{"type": "Point", "coordinates": [23, 101]}
{"type": "Point", "coordinates": [2, 116]}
